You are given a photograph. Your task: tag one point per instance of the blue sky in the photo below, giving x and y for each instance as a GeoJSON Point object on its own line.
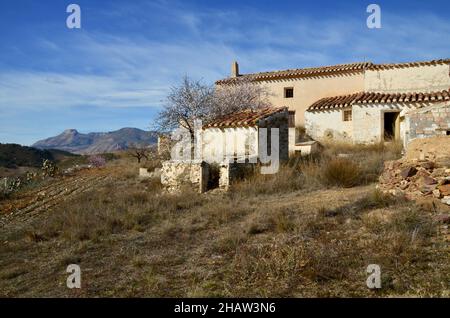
{"type": "Point", "coordinates": [115, 71]}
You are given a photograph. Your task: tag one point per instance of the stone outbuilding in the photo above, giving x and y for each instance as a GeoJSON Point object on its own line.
{"type": "Point", "coordinates": [232, 146]}
{"type": "Point", "coordinates": [246, 135]}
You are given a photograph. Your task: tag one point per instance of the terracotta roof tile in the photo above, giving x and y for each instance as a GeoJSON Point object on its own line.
{"type": "Point", "coordinates": [326, 70]}
{"type": "Point", "coordinates": [408, 64]}
{"type": "Point", "coordinates": [294, 73]}
{"type": "Point", "coordinates": [245, 118]}
{"type": "Point", "coordinates": [369, 97]}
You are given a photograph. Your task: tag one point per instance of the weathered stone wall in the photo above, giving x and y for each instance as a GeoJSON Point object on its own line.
{"type": "Point", "coordinates": [429, 121]}
{"type": "Point", "coordinates": [408, 79]}
{"type": "Point", "coordinates": [329, 124]}
{"type": "Point", "coordinates": [175, 175]}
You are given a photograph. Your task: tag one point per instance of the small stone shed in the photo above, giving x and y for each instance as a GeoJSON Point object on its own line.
{"type": "Point", "coordinates": [231, 148]}
{"type": "Point", "coordinates": [239, 135]}
{"type": "Point", "coordinates": [377, 117]}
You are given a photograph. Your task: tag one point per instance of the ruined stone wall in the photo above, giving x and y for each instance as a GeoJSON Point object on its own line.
{"type": "Point", "coordinates": [175, 175]}
{"type": "Point", "coordinates": [429, 121]}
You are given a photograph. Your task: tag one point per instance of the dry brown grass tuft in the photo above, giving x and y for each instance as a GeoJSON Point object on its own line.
{"type": "Point", "coordinates": [341, 172]}
{"type": "Point", "coordinates": [287, 179]}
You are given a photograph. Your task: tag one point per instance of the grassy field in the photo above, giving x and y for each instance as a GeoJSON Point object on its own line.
{"type": "Point", "coordinates": [309, 231]}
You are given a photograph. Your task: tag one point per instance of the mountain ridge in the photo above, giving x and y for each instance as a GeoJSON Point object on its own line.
{"type": "Point", "coordinates": [72, 140]}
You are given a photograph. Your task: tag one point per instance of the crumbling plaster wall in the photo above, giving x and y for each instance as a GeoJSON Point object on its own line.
{"type": "Point", "coordinates": [408, 79]}
{"type": "Point", "coordinates": [328, 124]}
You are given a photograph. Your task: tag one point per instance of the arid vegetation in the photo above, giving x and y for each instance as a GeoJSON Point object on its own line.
{"type": "Point", "coordinates": [310, 230]}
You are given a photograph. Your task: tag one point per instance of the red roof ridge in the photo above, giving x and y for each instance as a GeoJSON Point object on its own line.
{"type": "Point", "coordinates": [246, 117]}
{"type": "Point", "coordinates": [378, 97]}
{"type": "Point", "coordinates": [325, 70]}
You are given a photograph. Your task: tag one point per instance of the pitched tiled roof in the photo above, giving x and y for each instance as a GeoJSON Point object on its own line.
{"type": "Point", "coordinates": [245, 118]}
{"type": "Point", "coordinates": [326, 70]}
{"type": "Point", "coordinates": [409, 64]}
{"type": "Point", "coordinates": [294, 73]}
{"type": "Point", "coordinates": [384, 98]}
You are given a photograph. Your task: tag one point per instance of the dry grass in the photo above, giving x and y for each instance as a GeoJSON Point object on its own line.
{"type": "Point", "coordinates": [361, 165]}
{"type": "Point", "coordinates": [341, 172]}
{"type": "Point", "coordinates": [286, 235]}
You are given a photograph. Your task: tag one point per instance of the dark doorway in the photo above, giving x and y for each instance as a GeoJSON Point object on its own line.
{"type": "Point", "coordinates": [214, 176]}
{"type": "Point", "coordinates": [390, 126]}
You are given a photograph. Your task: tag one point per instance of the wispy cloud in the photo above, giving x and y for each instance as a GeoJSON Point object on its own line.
{"type": "Point", "coordinates": [141, 49]}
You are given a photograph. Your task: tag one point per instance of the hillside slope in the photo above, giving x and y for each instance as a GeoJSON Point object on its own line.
{"type": "Point", "coordinates": [13, 155]}
{"type": "Point", "coordinates": [73, 141]}
{"type": "Point", "coordinates": [132, 240]}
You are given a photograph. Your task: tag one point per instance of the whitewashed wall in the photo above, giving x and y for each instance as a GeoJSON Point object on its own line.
{"type": "Point", "coordinates": [323, 124]}
{"type": "Point", "coordinates": [229, 141]}
{"type": "Point", "coordinates": [408, 79]}
{"type": "Point", "coordinates": [368, 121]}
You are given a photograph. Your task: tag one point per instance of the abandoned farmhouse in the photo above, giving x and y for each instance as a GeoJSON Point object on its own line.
{"type": "Point", "coordinates": [357, 103]}
{"type": "Point", "coordinates": [361, 102]}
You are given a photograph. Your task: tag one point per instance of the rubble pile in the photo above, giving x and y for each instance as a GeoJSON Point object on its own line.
{"type": "Point", "coordinates": [415, 179]}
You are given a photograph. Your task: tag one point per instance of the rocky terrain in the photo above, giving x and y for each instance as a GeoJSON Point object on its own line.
{"type": "Point", "coordinates": [423, 173]}
{"type": "Point", "coordinates": [93, 143]}
{"type": "Point", "coordinates": [417, 179]}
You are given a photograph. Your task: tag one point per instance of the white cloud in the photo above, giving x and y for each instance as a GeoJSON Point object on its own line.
{"type": "Point", "coordinates": [129, 71]}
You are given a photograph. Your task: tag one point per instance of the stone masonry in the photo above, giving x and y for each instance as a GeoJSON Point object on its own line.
{"type": "Point", "coordinates": [175, 175]}
{"type": "Point", "coordinates": [429, 122]}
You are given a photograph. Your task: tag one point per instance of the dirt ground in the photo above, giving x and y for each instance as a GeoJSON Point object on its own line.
{"type": "Point", "coordinates": [144, 243]}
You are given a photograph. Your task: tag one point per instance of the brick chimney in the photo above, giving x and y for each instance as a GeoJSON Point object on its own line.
{"type": "Point", "coordinates": [234, 69]}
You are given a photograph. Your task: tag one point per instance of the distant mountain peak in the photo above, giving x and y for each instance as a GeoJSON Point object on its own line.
{"type": "Point", "coordinates": [73, 141]}
{"type": "Point", "coordinates": [70, 132]}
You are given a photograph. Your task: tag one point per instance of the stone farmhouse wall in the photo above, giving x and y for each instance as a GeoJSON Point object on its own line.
{"type": "Point", "coordinates": [177, 174]}
{"type": "Point", "coordinates": [367, 122]}
{"type": "Point", "coordinates": [198, 175]}
{"type": "Point", "coordinates": [429, 122]}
